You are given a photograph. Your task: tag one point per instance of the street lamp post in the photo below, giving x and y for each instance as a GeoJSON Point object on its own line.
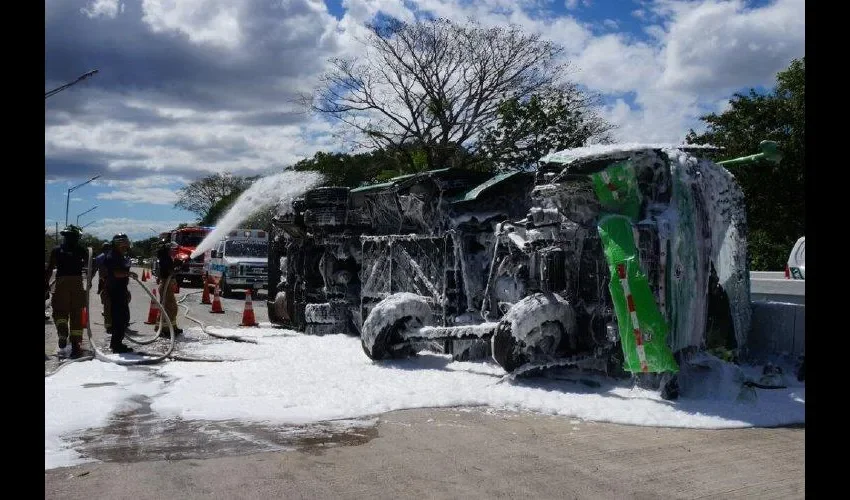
{"type": "Point", "coordinates": [63, 87]}
{"type": "Point", "coordinates": [68, 198]}
{"type": "Point", "coordinates": [89, 224]}
{"type": "Point", "coordinates": [84, 213]}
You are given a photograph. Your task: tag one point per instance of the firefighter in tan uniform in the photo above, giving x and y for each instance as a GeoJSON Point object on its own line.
{"type": "Point", "coordinates": [167, 268]}
{"type": "Point", "coordinates": [69, 297]}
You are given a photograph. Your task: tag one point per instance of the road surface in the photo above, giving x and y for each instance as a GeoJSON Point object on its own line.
{"type": "Point", "coordinates": [423, 453]}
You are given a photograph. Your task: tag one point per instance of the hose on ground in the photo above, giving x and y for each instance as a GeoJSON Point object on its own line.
{"type": "Point", "coordinates": [162, 314]}
{"type": "Point", "coordinates": [151, 357]}
{"type": "Point", "coordinates": [200, 323]}
{"type": "Point", "coordinates": [98, 354]}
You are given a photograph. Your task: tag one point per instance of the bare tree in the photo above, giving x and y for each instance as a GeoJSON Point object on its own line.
{"type": "Point", "coordinates": [435, 85]}
{"type": "Point", "coordinates": [201, 195]}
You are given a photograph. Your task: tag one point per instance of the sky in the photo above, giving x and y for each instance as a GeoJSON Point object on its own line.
{"type": "Point", "coordinates": [193, 87]}
{"type": "Point", "coordinates": [298, 379]}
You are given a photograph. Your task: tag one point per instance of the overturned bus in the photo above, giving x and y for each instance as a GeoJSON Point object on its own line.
{"type": "Point", "coordinates": [612, 258]}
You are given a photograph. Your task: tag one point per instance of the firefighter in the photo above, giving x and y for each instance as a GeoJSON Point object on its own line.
{"type": "Point", "coordinates": [118, 275]}
{"type": "Point", "coordinates": [101, 271]}
{"type": "Point", "coordinates": [167, 267]}
{"type": "Point", "coordinates": [69, 297]}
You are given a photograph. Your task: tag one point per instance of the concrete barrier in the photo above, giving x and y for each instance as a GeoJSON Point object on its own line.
{"type": "Point", "coordinates": [779, 315]}
{"type": "Point", "coordinates": [778, 328]}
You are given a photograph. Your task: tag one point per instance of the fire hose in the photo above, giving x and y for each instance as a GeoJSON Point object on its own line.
{"type": "Point", "coordinates": [200, 323]}
{"type": "Point", "coordinates": [150, 359]}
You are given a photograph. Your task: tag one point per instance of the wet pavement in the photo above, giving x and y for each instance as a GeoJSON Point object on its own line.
{"type": "Point", "coordinates": [139, 435]}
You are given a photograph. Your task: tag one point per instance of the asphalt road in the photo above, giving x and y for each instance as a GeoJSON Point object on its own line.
{"type": "Point", "coordinates": [470, 453]}
{"type": "Point", "coordinates": [424, 453]}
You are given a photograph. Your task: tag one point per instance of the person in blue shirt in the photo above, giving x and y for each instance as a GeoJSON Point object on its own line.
{"type": "Point", "coordinates": [118, 275]}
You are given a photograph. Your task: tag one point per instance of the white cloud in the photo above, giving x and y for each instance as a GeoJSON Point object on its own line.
{"type": "Point", "coordinates": [724, 45]}
{"type": "Point", "coordinates": [146, 182]}
{"type": "Point", "coordinates": [154, 196]}
{"type": "Point", "coordinates": [202, 21]}
{"type": "Point", "coordinates": [231, 107]}
{"type": "Point", "coordinates": [136, 229]}
{"type": "Point", "coordinates": [105, 8]}
{"type": "Point", "coordinates": [609, 64]}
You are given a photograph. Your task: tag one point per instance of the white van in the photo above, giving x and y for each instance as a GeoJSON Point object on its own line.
{"type": "Point", "coordinates": [240, 261]}
{"type": "Point", "coordinates": [796, 267]}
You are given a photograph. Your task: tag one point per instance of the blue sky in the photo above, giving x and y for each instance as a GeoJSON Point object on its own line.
{"type": "Point", "coordinates": [190, 88]}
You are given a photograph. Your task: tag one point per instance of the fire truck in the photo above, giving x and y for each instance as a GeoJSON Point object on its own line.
{"type": "Point", "coordinates": [187, 239]}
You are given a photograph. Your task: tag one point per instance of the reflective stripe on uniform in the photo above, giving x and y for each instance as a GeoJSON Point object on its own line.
{"type": "Point", "coordinates": [76, 333]}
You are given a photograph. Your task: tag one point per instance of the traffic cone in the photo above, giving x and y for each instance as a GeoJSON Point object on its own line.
{"type": "Point", "coordinates": [144, 275]}
{"type": "Point", "coordinates": [85, 317]}
{"type": "Point", "coordinates": [153, 312]}
{"type": "Point", "coordinates": [248, 318]}
{"type": "Point", "coordinates": [205, 298]}
{"type": "Point", "coordinates": [216, 305]}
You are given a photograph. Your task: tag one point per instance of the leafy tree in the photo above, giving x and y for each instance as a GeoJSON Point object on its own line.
{"type": "Point", "coordinates": [49, 243]}
{"type": "Point", "coordinates": [775, 194]}
{"type": "Point", "coordinates": [432, 87]}
{"type": "Point", "coordinates": [260, 220]}
{"type": "Point", "coordinates": [201, 195]}
{"type": "Point", "coordinates": [146, 248]}
{"type": "Point", "coordinates": [90, 240]}
{"type": "Point", "coordinates": [549, 121]}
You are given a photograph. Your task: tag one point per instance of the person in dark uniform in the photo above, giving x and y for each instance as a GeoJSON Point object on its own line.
{"type": "Point", "coordinates": [101, 271]}
{"type": "Point", "coordinates": [118, 276]}
{"type": "Point", "coordinates": [167, 267]}
{"type": "Point", "coordinates": [69, 297]}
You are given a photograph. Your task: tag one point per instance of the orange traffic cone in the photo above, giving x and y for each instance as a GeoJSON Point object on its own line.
{"type": "Point", "coordinates": [153, 312]}
{"type": "Point", "coordinates": [205, 298]}
{"type": "Point", "coordinates": [216, 305]}
{"type": "Point", "coordinates": [85, 317]}
{"type": "Point", "coordinates": [144, 275]}
{"type": "Point", "coordinates": [248, 318]}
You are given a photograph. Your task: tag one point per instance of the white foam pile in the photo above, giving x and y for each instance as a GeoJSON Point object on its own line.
{"type": "Point", "coordinates": [292, 378]}
{"type": "Point", "coordinates": [274, 190]}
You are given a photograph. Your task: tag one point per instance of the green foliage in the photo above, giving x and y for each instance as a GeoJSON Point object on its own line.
{"type": "Point", "coordinates": [145, 249]}
{"type": "Point", "coordinates": [86, 240]}
{"type": "Point", "coordinates": [260, 220]}
{"type": "Point", "coordinates": [775, 196]}
{"type": "Point", "coordinates": [200, 195]}
{"type": "Point", "coordinates": [353, 170]}
{"type": "Point", "coordinates": [548, 121]}
{"type": "Point", "coordinates": [49, 243]}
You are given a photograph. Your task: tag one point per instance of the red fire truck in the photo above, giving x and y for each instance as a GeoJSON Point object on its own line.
{"type": "Point", "coordinates": [187, 239]}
